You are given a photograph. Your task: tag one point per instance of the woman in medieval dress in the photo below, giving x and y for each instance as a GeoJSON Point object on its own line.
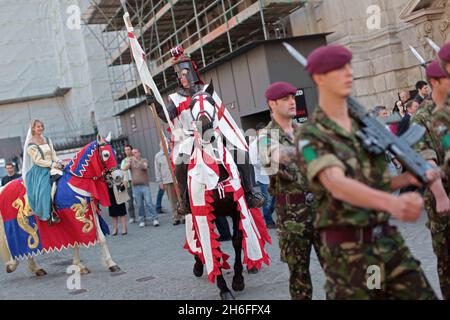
{"type": "Point", "coordinates": [41, 169]}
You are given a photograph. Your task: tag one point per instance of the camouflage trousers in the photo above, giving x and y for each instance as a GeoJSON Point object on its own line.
{"type": "Point", "coordinates": [297, 236]}
{"type": "Point", "coordinates": [439, 226]}
{"type": "Point", "coordinates": [383, 269]}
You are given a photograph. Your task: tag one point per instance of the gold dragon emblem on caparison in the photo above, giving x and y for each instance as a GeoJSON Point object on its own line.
{"type": "Point", "coordinates": [23, 213]}
{"type": "Point", "coordinates": [80, 210]}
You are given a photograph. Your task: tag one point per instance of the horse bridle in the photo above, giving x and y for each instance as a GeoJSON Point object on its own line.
{"type": "Point", "coordinates": [105, 171]}
{"type": "Point", "coordinates": [211, 101]}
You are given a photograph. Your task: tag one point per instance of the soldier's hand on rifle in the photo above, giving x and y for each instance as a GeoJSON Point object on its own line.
{"type": "Point", "coordinates": [411, 180]}
{"type": "Point", "coordinates": [407, 207]}
{"type": "Point", "coordinates": [433, 174]}
{"type": "Point", "coordinates": [443, 205]}
{"type": "Point", "coordinates": [150, 98]}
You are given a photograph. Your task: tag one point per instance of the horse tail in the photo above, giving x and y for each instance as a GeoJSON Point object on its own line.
{"type": "Point", "coordinates": [5, 254]}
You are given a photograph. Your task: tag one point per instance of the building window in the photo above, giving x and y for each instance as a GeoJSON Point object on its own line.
{"type": "Point", "coordinates": [133, 122]}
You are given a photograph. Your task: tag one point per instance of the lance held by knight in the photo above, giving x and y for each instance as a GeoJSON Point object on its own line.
{"type": "Point", "coordinates": [190, 83]}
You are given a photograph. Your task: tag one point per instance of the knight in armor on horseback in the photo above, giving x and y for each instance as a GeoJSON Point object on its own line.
{"type": "Point", "coordinates": [41, 169]}
{"type": "Point", "coordinates": [179, 111]}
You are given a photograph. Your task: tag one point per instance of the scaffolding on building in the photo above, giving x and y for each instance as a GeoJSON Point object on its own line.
{"type": "Point", "coordinates": [208, 30]}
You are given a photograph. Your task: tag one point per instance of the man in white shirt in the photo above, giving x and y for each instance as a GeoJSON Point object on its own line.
{"type": "Point", "coordinates": [127, 174]}
{"type": "Point", "coordinates": [262, 180]}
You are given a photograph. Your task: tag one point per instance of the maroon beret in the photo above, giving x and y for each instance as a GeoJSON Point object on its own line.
{"type": "Point", "coordinates": [328, 58]}
{"type": "Point", "coordinates": [435, 71]}
{"type": "Point", "coordinates": [444, 53]}
{"type": "Point", "coordinates": [279, 90]}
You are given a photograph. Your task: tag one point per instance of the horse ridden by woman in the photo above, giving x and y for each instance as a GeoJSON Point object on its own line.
{"type": "Point", "coordinates": [80, 190]}
{"type": "Point", "coordinates": [215, 189]}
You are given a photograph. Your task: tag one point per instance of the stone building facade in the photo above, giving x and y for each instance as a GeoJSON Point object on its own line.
{"type": "Point", "coordinates": [52, 70]}
{"type": "Point", "coordinates": [383, 63]}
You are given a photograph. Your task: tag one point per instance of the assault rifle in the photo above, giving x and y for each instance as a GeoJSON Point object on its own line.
{"type": "Point", "coordinates": [377, 139]}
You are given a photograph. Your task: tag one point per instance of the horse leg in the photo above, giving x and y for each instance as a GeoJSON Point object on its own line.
{"type": "Point", "coordinates": [238, 283]}
{"type": "Point", "coordinates": [35, 268]}
{"type": "Point", "coordinates": [106, 256]}
{"type": "Point", "coordinates": [225, 293]}
{"type": "Point", "coordinates": [11, 264]}
{"type": "Point", "coordinates": [77, 262]}
{"type": "Point", "coordinates": [198, 267]}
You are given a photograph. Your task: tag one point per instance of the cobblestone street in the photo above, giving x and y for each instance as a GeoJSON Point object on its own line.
{"type": "Point", "coordinates": [156, 267]}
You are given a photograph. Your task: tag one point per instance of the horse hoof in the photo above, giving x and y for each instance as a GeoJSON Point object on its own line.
{"type": "Point", "coordinates": [84, 271]}
{"type": "Point", "coordinates": [114, 269]}
{"type": "Point", "coordinates": [253, 270]}
{"type": "Point", "coordinates": [40, 273]}
{"type": "Point", "coordinates": [227, 296]}
{"type": "Point", "coordinates": [198, 270]}
{"type": "Point", "coordinates": [238, 284]}
{"type": "Point", "coordinates": [10, 269]}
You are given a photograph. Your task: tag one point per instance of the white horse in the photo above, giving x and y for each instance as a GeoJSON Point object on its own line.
{"type": "Point", "coordinates": [84, 181]}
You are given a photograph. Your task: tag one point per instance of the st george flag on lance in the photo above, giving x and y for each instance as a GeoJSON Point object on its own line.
{"type": "Point", "coordinates": [141, 65]}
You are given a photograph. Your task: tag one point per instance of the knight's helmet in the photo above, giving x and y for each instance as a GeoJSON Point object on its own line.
{"type": "Point", "coordinates": [180, 62]}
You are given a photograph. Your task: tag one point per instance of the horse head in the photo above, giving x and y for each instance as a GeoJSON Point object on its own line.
{"type": "Point", "coordinates": [212, 119]}
{"type": "Point", "coordinates": [204, 114]}
{"type": "Point", "coordinates": [96, 161]}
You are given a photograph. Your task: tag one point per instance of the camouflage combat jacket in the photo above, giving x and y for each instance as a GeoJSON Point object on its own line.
{"type": "Point", "coordinates": [441, 127]}
{"type": "Point", "coordinates": [284, 179]}
{"type": "Point", "coordinates": [323, 144]}
{"type": "Point", "coordinates": [429, 147]}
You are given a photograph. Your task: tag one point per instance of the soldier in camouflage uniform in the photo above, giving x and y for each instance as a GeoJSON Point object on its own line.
{"type": "Point", "coordinates": [294, 203]}
{"type": "Point", "coordinates": [364, 257]}
{"type": "Point", "coordinates": [441, 117]}
{"type": "Point", "coordinates": [441, 126]}
{"type": "Point", "coordinates": [437, 203]}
